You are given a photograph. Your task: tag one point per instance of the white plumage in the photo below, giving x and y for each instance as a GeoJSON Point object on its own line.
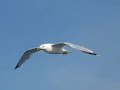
{"type": "Point", "coordinates": [53, 49]}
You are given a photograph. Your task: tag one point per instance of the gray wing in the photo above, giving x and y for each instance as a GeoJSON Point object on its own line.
{"type": "Point", "coordinates": [26, 56]}
{"type": "Point", "coordinates": [78, 47]}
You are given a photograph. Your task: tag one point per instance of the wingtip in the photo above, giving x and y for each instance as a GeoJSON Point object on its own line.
{"type": "Point", "coordinates": [16, 67]}
{"type": "Point", "coordinates": [95, 54]}
{"type": "Point", "coordinates": [91, 53]}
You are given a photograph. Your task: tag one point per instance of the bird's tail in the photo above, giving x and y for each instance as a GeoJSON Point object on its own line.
{"type": "Point", "coordinates": [66, 52]}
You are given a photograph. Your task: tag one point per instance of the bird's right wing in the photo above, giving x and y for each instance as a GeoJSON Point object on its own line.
{"type": "Point", "coordinates": [26, 56]}
{"type": "Point", "coordinates": [81, 48]}
{"type": "Point", "coordinates": [78, 47]}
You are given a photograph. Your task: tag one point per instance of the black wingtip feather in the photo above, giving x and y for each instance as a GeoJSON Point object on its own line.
{"type": "Point", "coordinates": [16, 67]}
{"type": "Point", "coordinates": [94, 54]}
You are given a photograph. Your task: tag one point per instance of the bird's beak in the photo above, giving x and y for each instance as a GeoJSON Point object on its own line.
{"type": "Point", "coordinates": [40, 49]}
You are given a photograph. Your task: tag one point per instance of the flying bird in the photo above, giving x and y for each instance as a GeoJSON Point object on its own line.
{"type": "Point", "coordinates": [52, 49]}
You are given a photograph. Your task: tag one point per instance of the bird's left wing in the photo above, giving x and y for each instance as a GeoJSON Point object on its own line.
{"type": "Point", "coordinates": [78, 47]}
{"type": "Point", "coordinates": [26, 56]}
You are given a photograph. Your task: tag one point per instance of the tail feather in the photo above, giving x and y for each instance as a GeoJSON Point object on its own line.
{"type": "Point", "coordinates": [66, 52]}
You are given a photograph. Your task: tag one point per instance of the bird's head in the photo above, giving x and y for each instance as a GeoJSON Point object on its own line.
{"type": "Point", "coordinates": [45, 46]}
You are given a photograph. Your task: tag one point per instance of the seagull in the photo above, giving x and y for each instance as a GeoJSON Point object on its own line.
{"type": "Point", "coordinates": [53, 49]}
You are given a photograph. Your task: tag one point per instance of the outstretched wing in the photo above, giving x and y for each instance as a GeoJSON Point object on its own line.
{"type": "Point", "coordinates": [26, 56]}
{"type": "Point", "coordinates": [81, 48]}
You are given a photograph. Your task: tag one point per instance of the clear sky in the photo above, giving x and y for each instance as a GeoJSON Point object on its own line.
{"type": "Point", "coordinates": [26, 24]}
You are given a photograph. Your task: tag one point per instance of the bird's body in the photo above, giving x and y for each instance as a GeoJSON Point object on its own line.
{"type": "Point", "coordinates": [52, 49]}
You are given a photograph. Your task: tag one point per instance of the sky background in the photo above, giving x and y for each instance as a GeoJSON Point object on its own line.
{"type": "Point", "coordinates": [26, 24]}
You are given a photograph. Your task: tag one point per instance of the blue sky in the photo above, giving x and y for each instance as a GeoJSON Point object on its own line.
{"type": "Point", "coordinates": [26, 24]}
